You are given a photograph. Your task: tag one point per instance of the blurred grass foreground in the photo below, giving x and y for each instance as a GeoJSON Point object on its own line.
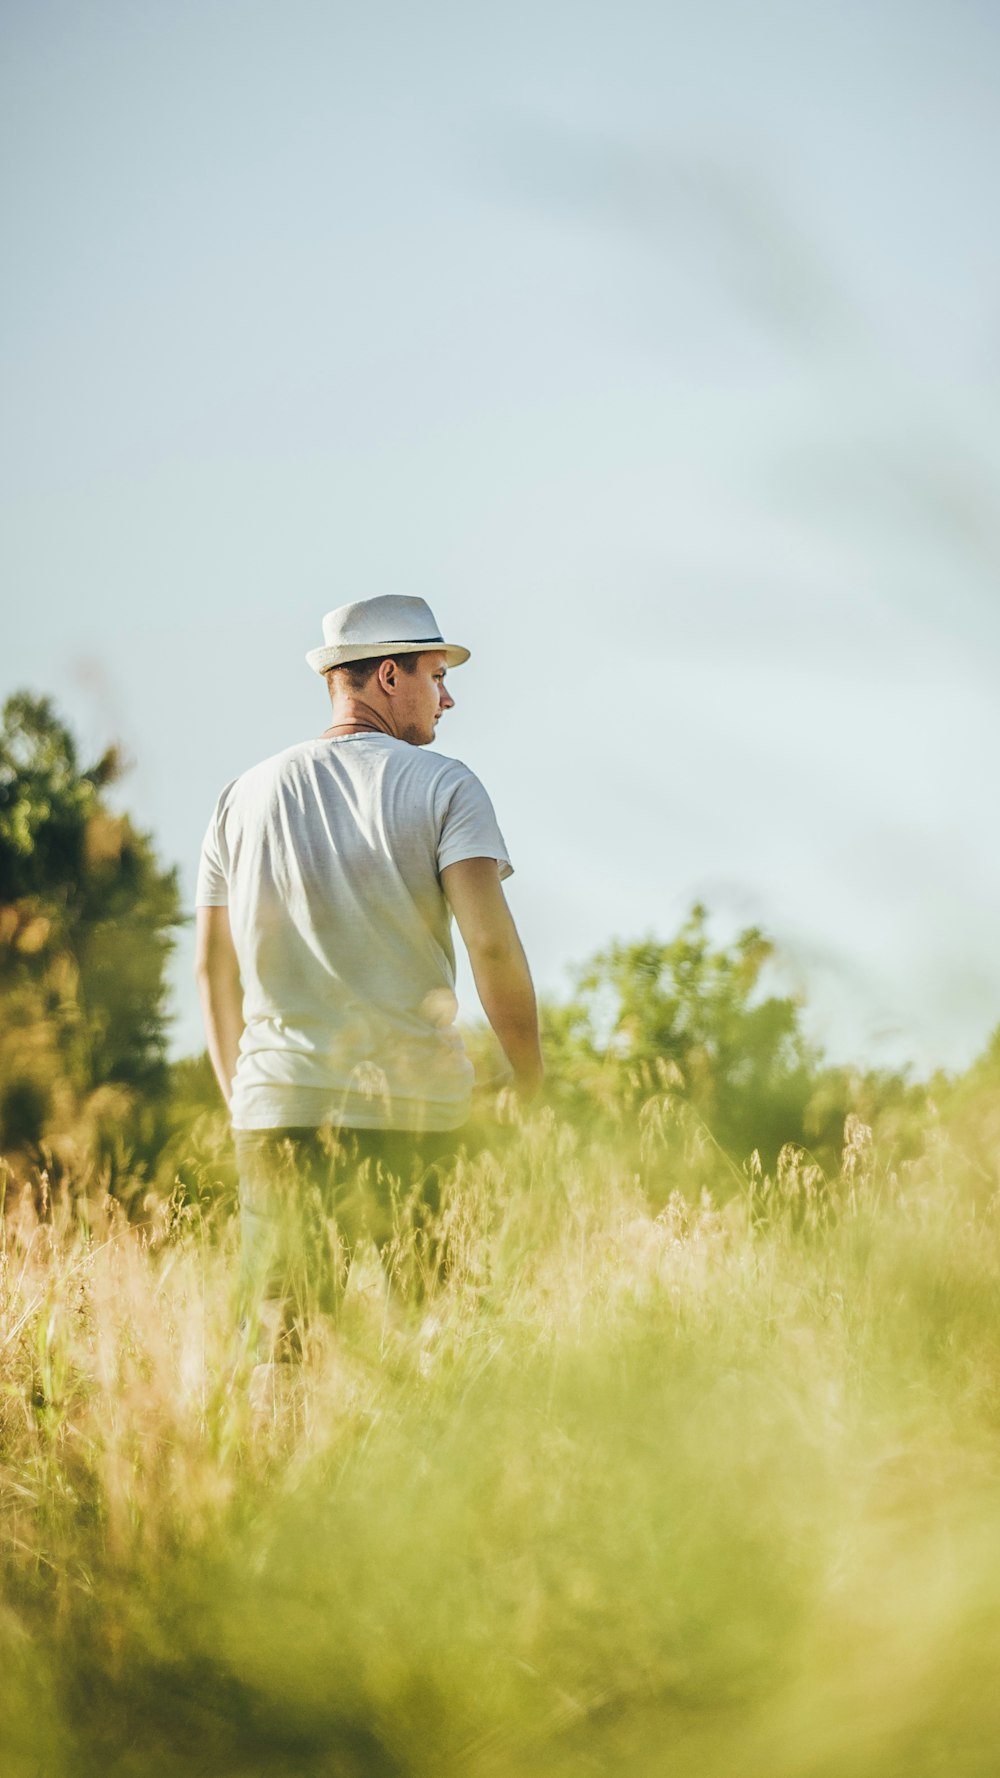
{"type": "Point", "coordinates": [687, 1462]}
{"type": "Point", "coordinates": [707, 1490]}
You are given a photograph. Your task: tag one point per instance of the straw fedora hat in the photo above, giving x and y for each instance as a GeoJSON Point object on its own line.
{"type": "Point", "coordinates": [392, 624]}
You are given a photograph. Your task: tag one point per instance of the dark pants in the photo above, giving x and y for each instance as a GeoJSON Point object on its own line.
{"type": "Point", "coordinates": [307, 1197]}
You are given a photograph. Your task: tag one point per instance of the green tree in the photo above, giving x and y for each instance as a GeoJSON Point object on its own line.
{"type": "Point", "coordinates": [86, 926]}
{"type": "Point", "coordinates": [697, 1018]}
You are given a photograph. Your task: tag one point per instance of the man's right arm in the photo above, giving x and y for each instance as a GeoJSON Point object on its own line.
{"type": "Point", "coordinates": [217, 973]}
{"type": "Point", "coordinates": [499, 965]}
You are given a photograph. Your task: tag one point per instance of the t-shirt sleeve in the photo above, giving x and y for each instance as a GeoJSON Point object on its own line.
{"type": "Point", "coordinates": [469, 828]}
{"type": "Point", "coordinates": [212, 890]}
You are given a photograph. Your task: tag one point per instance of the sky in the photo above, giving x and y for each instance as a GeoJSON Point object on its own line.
{"type": "Point", "coordinates": [657, 346]}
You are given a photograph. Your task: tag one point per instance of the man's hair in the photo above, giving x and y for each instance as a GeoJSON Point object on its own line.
{"type": "Point", "coordinates": [358, 673]}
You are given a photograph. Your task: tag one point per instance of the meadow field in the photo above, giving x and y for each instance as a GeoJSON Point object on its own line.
{"type": "Point", "coordinates": [682, 1468]}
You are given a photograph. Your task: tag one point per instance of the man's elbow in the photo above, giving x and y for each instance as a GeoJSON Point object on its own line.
{"type": "Point", "coordinates": [215, 968]}
{"type": "Point", "coordinates": [494, 951]}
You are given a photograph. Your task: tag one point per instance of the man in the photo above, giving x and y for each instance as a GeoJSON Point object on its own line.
{"type": "Point", "coordinates": [325, 966]}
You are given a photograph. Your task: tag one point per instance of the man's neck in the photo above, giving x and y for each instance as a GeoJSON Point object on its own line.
{"type": "Point", "coordinates": [354, 716]}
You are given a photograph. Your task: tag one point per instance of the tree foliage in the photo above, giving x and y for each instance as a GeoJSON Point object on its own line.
{"type": "Point", "coordinates": [86, 922]}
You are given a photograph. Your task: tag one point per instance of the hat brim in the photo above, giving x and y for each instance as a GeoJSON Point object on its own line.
{"type": "Point", "coordinates": [322, 659]}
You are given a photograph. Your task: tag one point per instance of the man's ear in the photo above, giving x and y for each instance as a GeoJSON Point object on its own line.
{"type": "Point", "coordinates": [388, 676]}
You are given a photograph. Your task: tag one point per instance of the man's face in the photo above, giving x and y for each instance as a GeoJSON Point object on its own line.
{"type": "Point", "coordinates": [421, 699]}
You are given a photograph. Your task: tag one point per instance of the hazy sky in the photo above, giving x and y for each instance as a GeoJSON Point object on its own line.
{"type": "Point", "coordinates": [658, 346]}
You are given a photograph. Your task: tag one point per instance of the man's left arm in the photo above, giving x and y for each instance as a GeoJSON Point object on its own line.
{"type": "Point", "coordinates": [499, 966]}
{"type": "Point", "coordinates": [217, 973]}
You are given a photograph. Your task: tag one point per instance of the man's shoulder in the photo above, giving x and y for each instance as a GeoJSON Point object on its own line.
{"type": "Point", "coordinates": [265, 772]}
{"type": "Point", "coordinates": [450, 778]}
{"type": "Point", "coordinates": [439, 765]}
{"type": "Point", "coordinates": [276, 764]}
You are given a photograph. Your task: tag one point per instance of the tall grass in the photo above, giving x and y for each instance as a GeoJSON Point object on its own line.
{"type": "Point", "coordinates": [658, 1479]}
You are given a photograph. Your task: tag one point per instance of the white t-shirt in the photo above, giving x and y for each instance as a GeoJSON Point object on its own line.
{"type": "Point", "coordinates": [329, 859]}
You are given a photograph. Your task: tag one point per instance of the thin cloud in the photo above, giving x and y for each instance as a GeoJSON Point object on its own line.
{"type": "Point", "coordinates": [697, 215]}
